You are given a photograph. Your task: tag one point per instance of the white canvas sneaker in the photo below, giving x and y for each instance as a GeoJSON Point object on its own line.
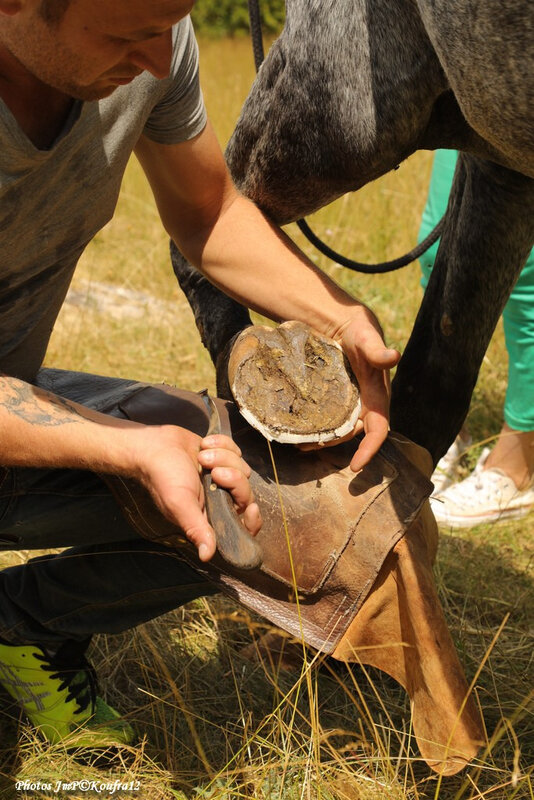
{"type": "Point", "coordinates": [487, 495]}
{"type": "Point", "coordinates": [447, 468]}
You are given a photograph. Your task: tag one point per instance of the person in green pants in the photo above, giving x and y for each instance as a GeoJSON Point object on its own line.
{"type": "Point", "coordinates": [502, 483]}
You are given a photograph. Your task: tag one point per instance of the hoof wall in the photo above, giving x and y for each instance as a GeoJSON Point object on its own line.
{"type": "Point", "coordinates": [292, 384]}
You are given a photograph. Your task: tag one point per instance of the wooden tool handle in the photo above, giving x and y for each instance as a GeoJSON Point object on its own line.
{"type": "Point", "coordinates": [234, 543]}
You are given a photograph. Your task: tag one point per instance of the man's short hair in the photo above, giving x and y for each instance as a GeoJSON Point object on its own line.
{"type": "Point", "coordinates": [52, 10]}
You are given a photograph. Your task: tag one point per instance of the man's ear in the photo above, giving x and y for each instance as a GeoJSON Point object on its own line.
{"type": "Point", "coordinates": [10, 7]}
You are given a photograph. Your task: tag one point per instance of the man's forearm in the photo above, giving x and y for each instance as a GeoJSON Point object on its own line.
{"type": "Point", "coordinates": [227, 237]}
{"type": "Point", "coordinates": [257, 264]}
{"type": "Point", "coordinates": [40, 429]}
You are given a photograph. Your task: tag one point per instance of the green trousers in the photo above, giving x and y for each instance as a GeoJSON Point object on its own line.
{"type": "Point", "coordinates": [518, 315]}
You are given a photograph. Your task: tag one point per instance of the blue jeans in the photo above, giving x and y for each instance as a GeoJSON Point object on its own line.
{"type": "Point", "coordinates": [109, 579]}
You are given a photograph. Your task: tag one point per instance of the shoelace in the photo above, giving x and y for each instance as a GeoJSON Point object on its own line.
{"type": "Point", "coordinates": [485, 480]}
{"type": "Point", "coordinates": [486, 483]}
{"type": "Point", "coordinates": [452, 457]}
{"type": "Point", "coordinates": [76, 674]}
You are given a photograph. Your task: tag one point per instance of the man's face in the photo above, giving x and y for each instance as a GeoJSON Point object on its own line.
{"type": "Point", "coordinates": [97, 45]}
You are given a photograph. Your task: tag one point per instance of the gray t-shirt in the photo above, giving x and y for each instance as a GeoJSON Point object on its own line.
{"type": "Point", "coordinates": [54, 201]}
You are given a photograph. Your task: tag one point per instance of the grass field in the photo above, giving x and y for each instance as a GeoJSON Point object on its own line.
{"type": "Point", "coordinates": [213, 724]}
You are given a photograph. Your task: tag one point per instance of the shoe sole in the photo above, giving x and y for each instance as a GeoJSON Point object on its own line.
{"type": "Point", "coordinates": [488, 518]}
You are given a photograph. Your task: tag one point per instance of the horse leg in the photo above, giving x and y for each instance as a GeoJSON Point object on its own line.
{"type": "Point", "coordinates": [487, 237]}
{"type": "Point", "coordinates": [219, 318]}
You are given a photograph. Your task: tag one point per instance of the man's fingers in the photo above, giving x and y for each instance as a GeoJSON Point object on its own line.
{"type": "Point", "coordinates": [384, 357]}
{"type": "Point", "coordinates": [194, 524]}
{"type": "Point", "coordinates": [173, 464]}
{"type": "Point", "coordinates": [236, 483]}
{"type": "Point", "coordinates": [307, 447]}
{"type": "Point", "coordinates": [219, 440]}
{"type": "Point", "coordinates": [374, 414]}
{"type": "Point", "coordinates": [376, 430]}
{"type": "Point", "coordinates": [210, 459]}
{"type": "Point", "coordinates": [252, 518]}
{"type": "Point", "coordinates": [371, 361]}
{"type": "Point", "coordinates": [380, 359]}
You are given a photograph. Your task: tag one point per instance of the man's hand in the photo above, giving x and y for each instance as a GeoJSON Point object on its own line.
{"type": "Point", "coordinates": [172, 459]}
{"type": "Point", "coordinates": [370, 359]}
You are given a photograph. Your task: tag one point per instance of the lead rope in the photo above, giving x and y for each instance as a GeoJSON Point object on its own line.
{"type": "Point", "coordinates": [343, 261]}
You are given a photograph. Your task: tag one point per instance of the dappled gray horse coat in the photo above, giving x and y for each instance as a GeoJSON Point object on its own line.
{"type": "Point", "coordinates": [350, 89]}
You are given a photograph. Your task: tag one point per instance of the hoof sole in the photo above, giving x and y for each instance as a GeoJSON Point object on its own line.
{"type": "Point", "coordinates": [293, 384]}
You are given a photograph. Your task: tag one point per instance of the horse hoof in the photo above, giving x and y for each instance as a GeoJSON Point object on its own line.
{"type": "Point", "coordinates": [293, 384]}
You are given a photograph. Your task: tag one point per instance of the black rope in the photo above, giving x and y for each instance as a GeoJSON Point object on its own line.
{"type": "Point", "coordinates": [255, 30]}
{"type": "Point", "coordinates": [343, 261]}
{"type": "Point", "coordinates": [372, 269]}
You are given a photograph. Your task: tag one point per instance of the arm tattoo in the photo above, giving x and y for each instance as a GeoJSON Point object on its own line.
{"type": "Point", "coordinates": [36, 406]}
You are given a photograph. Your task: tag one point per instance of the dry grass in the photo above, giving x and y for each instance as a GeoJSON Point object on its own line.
{"type": "Point", "coordinates": [213, 724]}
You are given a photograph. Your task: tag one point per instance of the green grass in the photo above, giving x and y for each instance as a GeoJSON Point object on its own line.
{"type": "Point", "coordinates": [216, 725]}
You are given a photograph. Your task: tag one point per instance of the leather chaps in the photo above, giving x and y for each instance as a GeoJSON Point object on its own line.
{"type": "Point", "coordinates": [345, 561]}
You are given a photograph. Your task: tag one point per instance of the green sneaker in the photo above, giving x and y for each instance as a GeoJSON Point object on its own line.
{"type": "Point", "coordinates": [57, 691]}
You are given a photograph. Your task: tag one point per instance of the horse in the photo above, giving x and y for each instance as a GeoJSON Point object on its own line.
{"type": "Point", "coordinates": [349, 90]}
